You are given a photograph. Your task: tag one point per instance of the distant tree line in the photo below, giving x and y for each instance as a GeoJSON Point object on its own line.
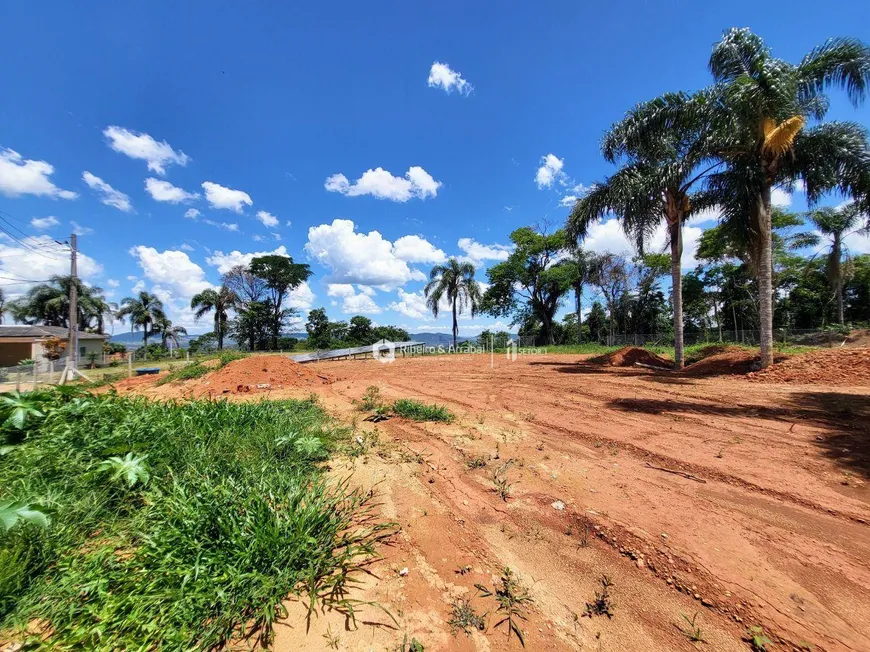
{"type": "Point", "coordinates": [359, 331]}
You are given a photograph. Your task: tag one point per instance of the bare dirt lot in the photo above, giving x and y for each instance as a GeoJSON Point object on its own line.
{"type": "Point", "coordinates": [746, 502]}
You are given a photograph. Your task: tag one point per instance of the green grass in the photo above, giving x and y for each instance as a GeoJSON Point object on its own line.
{"type": "Point", "coordinates": [172, 525]}
{"type": "Point", "coordinates": [418, 411]}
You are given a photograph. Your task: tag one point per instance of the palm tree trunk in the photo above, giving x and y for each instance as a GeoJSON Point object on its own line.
{"type": "Point", "coordinates": [218, 331]}
{"type": "Point", "coordinates": [455, 325]}
{"type": "Point", "coordinates": [838, 279]}
{"type": "Point", "coordinates": [578, 294]}
{"type": "Point", "coordinates": [677, 289]}
{"type": "Point", "coordinates": [765, 280]}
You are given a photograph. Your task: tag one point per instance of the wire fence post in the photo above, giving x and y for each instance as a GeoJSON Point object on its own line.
{"type": "Point", "coordinates": [51, 372]}
{"type": "Point", "coordinates": [35, 377]}
{"type": "Point", "coordinates": [17, 379]}
{"type": "Point", "coordinates": [129, 365]}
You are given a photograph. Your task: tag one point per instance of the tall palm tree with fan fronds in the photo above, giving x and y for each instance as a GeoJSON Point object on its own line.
{"type": "Point", "coordinates": [663, 170]}
{"type": "Point", "coordinates": [219, 301]}
{"type": "Point", "coordinates": [453, 281]}
{"type": "Point", "coordinates": [833, 225]}
{"type": "Point", "coordinates": [763, 105]}
{"type": "Point", "coordinates": [143, 310]}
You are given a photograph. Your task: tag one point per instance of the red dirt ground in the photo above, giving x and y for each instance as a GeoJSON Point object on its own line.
{"type": "Point", "coordinates": [831, 367]}
{"type": "Point", "coordinates": [729, 363]}
{"type": "Point", "coordinates": [630, 356]}
{"type": "Point", "coordinates": [745, 502]}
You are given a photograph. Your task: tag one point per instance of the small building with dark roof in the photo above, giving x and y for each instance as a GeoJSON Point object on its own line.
{"type": "Point", "coordinates": [22, 342]}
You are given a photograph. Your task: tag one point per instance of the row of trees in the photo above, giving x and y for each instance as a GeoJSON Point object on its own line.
{"type": "Point", "coordinates": [325, 334]}
{"type": "Point", "coordinates": [721, 294]}
{"type": "Point", "coordinates": [727, 147]}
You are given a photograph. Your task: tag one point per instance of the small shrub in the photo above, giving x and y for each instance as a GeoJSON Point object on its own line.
{"type": "Point", "coordinates": [371, 400]}
{"type": "Point", "coordinates": [411, 409]}
{"type": "Point", "coordinates": [512, 600]}
{"type": "Point", "coordinates": [602, 605]}
{"type": "Point", "coordinates": [464, 618]}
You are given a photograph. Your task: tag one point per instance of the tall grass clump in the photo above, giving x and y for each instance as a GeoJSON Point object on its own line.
{"type": "Point", "coordinates": [418, 411]}
{"type": "Point", "coordinates": [128, 524]}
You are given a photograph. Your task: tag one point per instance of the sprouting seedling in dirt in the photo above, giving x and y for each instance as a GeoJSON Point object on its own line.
{"type": "Point", "coordinates": [513, 600]}
{"type": "Point", "coordinates": [500, 480]}
{"type": "Point", "coordinates": [691, 630]}
{"type": "Point", "coordinates": [602, 604]}
{"type": "Point", "coordinates": [332, 640]}
{"type": "Point", "coordinates": [410, 646]}
{"type": "Point", "coordinates": [757, 639]}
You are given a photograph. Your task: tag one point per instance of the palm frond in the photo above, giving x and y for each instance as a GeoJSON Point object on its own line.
{"type": "Point", "coordinates": [840, 62]}
{"type": "Point", "coordinates": [779, 138]}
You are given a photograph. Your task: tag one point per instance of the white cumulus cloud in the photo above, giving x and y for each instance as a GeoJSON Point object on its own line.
{"type": "Point", "coordinates": [414, 249]}
{"type": "Point", "coordinates": [20, 176]}
{"type": "Point", "coordinates": [222, 197]}
{"type": "Point", "coordinates": [143, 147]}
{"type": "Point", "coordinates": [267, 219]}
{"type": "Point", "coordinates": [416, 184]}
{"type": "Point", "coordinates": [108, 195]}
{"type": "Point", "coordinates": [441, 75]}
{"type": "Point", "coordinates": [352, 302]}
{"type": "Point", "coordinates": [161, 190]}
{"type": "Point", "coordinates": [550, 171]}
{"type": "Point", "coordinates": [365, 258]}
{"type": "Point", "coordinates": [608, 236]}
{"type": "Point", "coordinates": [44, 223]}
{"type": "Point", "coordinates": [226, 261]}
{"type": "Point", "coordinates": [780, 198]}
{"type": "Point", "coordinates": [192, 213]}
{"type": "Point", "coordinates": [172, 270]}
{"type": "Point", "coordinates": [19, 265]}
{"type": "Point", "coordinates": [476, 253]}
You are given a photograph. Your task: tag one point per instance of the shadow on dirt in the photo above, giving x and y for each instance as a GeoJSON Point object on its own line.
{"type": "Point", "coordinates": [846, 417]}
{"type": "Point", "coordinates": [665, 376]}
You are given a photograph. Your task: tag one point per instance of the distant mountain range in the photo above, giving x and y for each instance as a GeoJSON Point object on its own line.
{"type": "Point", "coordinates": [134, 340]}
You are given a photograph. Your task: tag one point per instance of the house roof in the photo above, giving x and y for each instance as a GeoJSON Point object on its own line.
{"type": "Point", "coordinates": [36, 332]}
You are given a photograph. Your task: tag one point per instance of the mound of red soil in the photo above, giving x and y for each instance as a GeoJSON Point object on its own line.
{"type": "Point", "coordinates": [734, 361]}
{"type": "Point", "coordinates": [629, 356]}
{"type": "Point", "coordinates": [260, 373]}
{"type": "Point", "coordinates": [838, 367]}
{"type": "Point", "coordinates": [710, 350]}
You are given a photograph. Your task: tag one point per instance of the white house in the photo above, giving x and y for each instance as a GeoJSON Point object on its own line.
{"type": "Point", "coordinates": [21, 342]}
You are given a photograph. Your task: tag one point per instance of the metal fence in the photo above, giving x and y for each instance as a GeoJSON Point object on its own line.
{"type": "Point", "coordinates": [787, 337]}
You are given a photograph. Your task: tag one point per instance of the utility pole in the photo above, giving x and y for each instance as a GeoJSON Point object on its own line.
{"type": "Point", "coordinates": [71, 369]}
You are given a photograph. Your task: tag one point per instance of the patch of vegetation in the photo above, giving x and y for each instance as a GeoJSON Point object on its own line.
{"type": "Point", "coordinates": [187, 372]}
{"type": "Point", "coordinates": [757, 639]}
{"type": "Point", "coordinates": [129, 524]}
{"type": "Point", "coordinates": [411, 646]}
{"type": "Point", "coordinates": [372, 401]}
{"type": "Point", "coordinates": [500, 480]}
{"type": "Point", "coordinates": [691, 630]}
{"type": "Point", "coordinates": [418, 411]}
{"type": "Point", "coordinates": [465, 618]}
{"type": "Point", "coordinates": [512, 602]}
{"type": "Point", "coordinates": [602, 605]}
{"type": "Point", "coordinates": [476, 462]}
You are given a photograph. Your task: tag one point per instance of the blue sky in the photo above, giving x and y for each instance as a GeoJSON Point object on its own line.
{"type": "Point", "coordinates": [262, 120]}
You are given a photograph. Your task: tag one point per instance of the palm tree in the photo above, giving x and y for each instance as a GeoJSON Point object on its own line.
{"type": "Point", "coordinates": [48, 304]}
{"type": "Point", "coordinates": [143, 310]}
{"type": "Point", "coordinates": [663, 166]}
{"type": "Point", "coordinates": [163, 325]}
{"type": "Point", "coordinates": [220, 301]}
{"type": "Point", "coordinates": [764, 105]}
{"type": "Point", "coordinates": [582, 267]}
{"type": "Point", "coordinates": [455, 282]}
{"type": "Point", "coordinates": [834, 224]}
